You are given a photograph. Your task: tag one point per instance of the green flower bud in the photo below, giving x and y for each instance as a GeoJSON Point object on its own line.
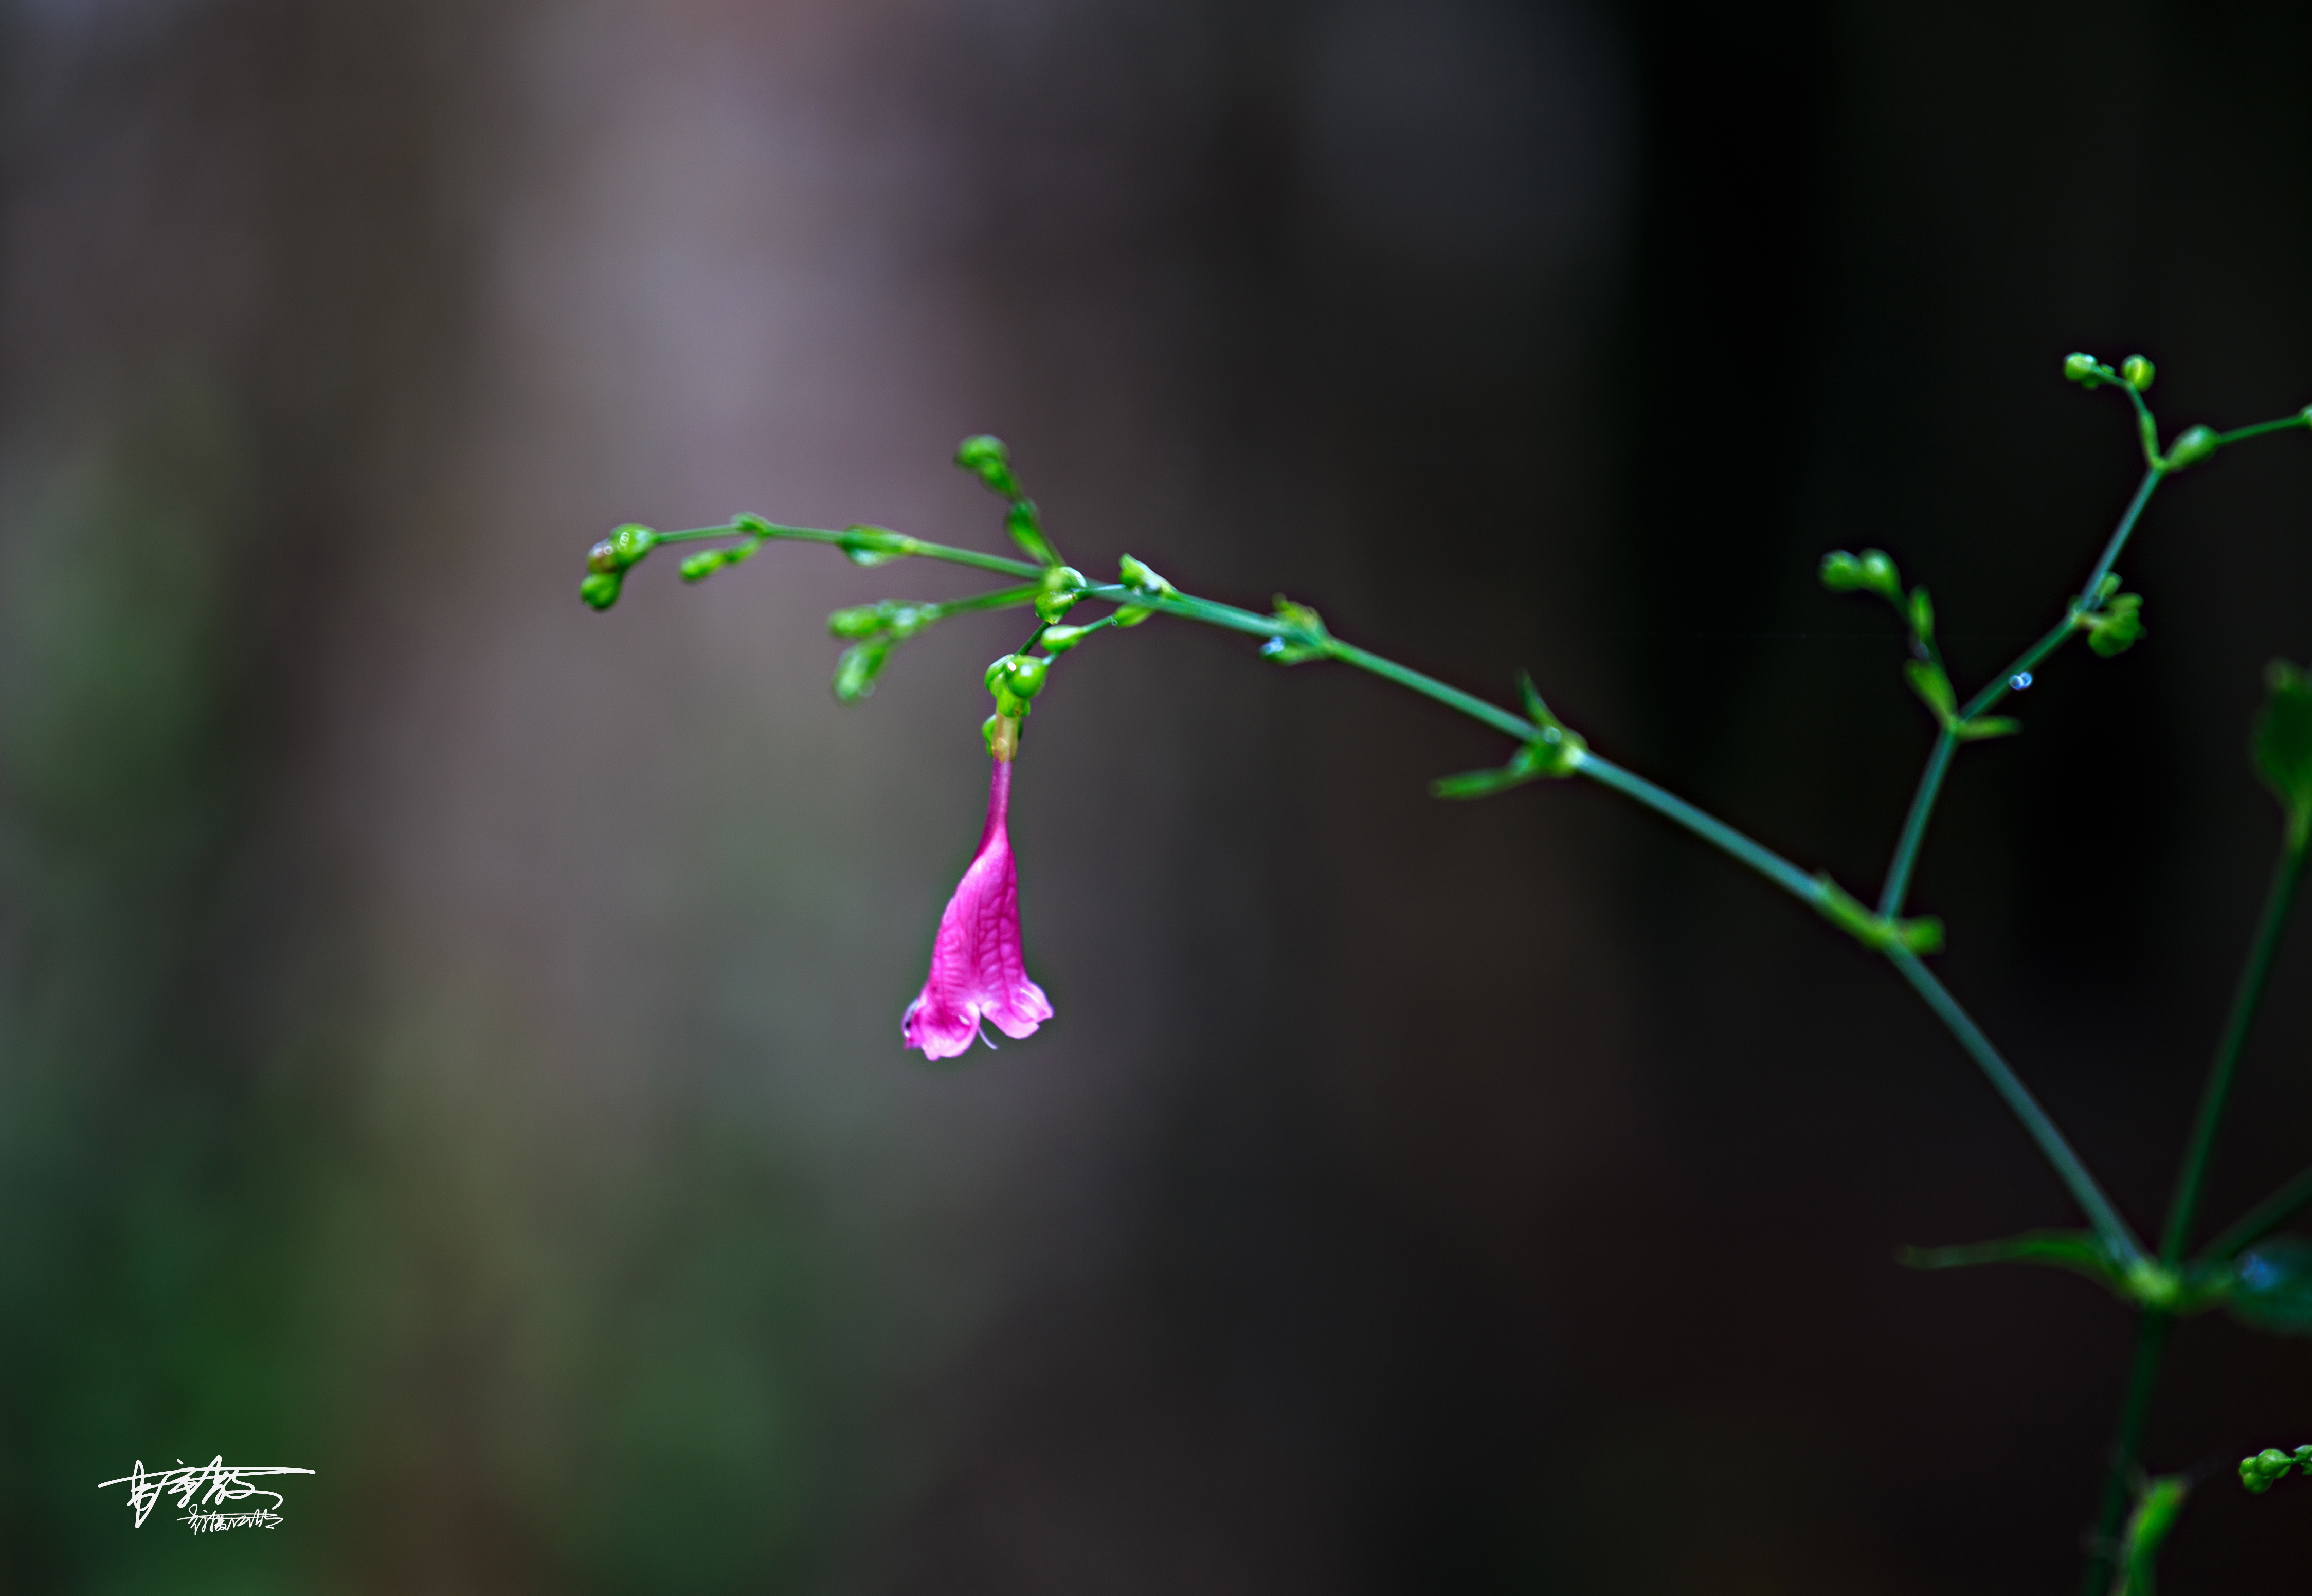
{"type": "Point", "coordinates": [997, 671]}
{"type": "Point", "coordinates": [1879, 575]}
{"type": "Point", "coordinates": [631, 541]}
{"type": "Point", "coordinates": [698, 567]}
{"type": "Point", "coordinates": [874, 545]}
{"type": "Point", "coordinates": [1063, 585]}
{"type": "Point", "coordinates": [2193, 444]}
{"type": "Point", "coordinates": [604, 556]}
{"type": "Point", "coordinates": [1139, 579]}
{"type": "Point", "coordinates": [988, 460]}
{"type": "Point", "coordinates": [1060, 639]}
{"type": "Point", "coordinates": [1840, 571]}
{"type": "Point", "coordinates": [600, 590]}
{"type": "Point", "coordinates": [2137, 373]}
{"type": "Point", "coordinates": [1923, 616]}
{"type": "Point", "coordinates": [2083, 368]}
{"type": "Point", "coordinates": [863, 620]}
{"type": "Point", "coordinates": [856, 668]}
{"type": "Point", "coordinates": [1025, 675]}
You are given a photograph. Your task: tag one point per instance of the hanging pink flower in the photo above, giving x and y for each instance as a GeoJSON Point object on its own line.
{"type": "Point", "coordinates": [977, 970]}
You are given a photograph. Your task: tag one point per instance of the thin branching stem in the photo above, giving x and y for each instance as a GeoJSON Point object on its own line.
{"type": "Point", "coordinates": [2287, 874]}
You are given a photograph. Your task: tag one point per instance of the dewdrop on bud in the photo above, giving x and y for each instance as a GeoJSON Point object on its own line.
{"type": "Point", "coordinates": [2138, 372]}
{"type": "Point", "coordinates": [2083, 368]}
{"type": "Point", "coordinates": [603, 557]}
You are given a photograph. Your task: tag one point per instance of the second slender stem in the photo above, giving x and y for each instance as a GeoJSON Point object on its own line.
{"type": "Point", "coordinates": [2286, 875]}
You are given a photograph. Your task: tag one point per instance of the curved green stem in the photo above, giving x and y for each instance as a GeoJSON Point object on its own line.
{"type": "Point", "coordinates": [2053, 1146]}
{"type": "Point", "coordinates": [2286, 876]}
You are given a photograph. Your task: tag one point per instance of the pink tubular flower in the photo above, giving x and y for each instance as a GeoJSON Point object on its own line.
{"type": "Point", "coordinates": [976, 967]}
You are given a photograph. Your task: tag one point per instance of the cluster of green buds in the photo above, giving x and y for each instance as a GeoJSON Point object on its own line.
{"type": "Point", "coordinates": [608, 561]}
{"type": "Point", "coordinates": [2135, 375]}
{"type": "Point", "coordinates": [873, 631]}
{"type": "Point", "coordinates": [2269, 1466]}
{"type": "Point", "coordinates": [1015, 680]}
{"type": "Point", "coordinates": [1873, 571]}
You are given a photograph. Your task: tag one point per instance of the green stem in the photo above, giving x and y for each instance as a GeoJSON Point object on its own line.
{"type": "Point", "coordinates": [1784, 874]}
{"type": "Point", "coordinates": [2286, 875]}
{"type": "Point", "coordinates": [1000, 598]}
{"type": "Point", "coordinates": [2152, 478]}
{"type": "Point", "coordinates": [904, 545]}
{"type": "Point", "coordinates": [2010, 1086]}
{"type": "Point", "coordinates": [2004, 682]}
{"type": "Point", "coordinates": [2264, 1218]}
{"type": "Point", "coordinates": [1776, 869]}
{"type": "Point", "coordinates": [1914, 825]}
{"type": "Point", "coordinates": [2301, 418]}
{"type": "Point", "coordinates": [2126, 1446]}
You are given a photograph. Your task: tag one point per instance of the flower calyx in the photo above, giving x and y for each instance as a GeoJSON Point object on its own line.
{"type": "Point", "coordinates": [1556, 752]}
{"type": "Point", "coordinates": [608, 561]}
{"type": "Point", "coordinates": [1306, 640]}
{"type": "Point", "coordinates": [1876, 931]}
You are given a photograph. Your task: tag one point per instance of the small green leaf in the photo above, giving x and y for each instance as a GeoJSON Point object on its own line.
{"type": "Point", "coordinates": [2116, 626]}
{"type": "Point", "coordinates": [1985, 726]}
{"type": "Point", "coordinates": [1484, 783]}
{"type": "Point", "coordinates": [1934, 688]}
{"type": "Point", "coordinates": [2082, 1253]}
{"type": "Point", "coordinates": [2271, 1285]}
{"type": "Point", "coordinates": [2282, 746]}
{"type": "Point", "coordinates": [1313, 643]}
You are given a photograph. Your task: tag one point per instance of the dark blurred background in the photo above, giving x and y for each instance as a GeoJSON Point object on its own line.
{"type": "Point", "coordinates": [448, 1039]}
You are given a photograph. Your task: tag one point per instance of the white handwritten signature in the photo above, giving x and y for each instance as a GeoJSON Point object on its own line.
{"type": "Point", "coordinates": [221, 1481]}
